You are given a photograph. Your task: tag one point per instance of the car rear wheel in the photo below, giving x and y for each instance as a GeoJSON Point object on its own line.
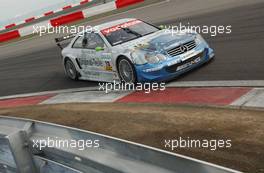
{"type": "Point", "coordinates": [126, 71]}
{"type": "Point", "coordinates": [70, 69]}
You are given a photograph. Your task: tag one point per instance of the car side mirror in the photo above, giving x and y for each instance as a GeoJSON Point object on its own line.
{"type": "Point", "coordinates": [84, 42]}
{"type": "Point", "coordinates": [97, 49]}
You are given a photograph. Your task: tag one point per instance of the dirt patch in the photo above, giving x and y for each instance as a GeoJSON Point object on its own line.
{"type": "Point", "coordinates": [151, 124]}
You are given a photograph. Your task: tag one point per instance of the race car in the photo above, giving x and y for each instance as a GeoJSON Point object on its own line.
{"type": "Point", "coordinates": [131, 50]}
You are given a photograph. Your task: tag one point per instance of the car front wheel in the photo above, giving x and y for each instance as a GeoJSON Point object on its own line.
{"type": "Point", "coordinates": [126, 71]}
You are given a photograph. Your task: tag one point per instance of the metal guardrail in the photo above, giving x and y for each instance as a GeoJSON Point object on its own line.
{"type": "Point", "coordinates": [91, 4]}
{"type": "Point", "coordinates": [112, 155]}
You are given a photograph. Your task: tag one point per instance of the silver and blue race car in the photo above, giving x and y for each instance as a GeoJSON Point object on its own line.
{"type": "Point", "coordinates": [131, 50]}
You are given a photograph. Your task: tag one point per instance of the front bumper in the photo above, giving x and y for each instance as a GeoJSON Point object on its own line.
{"type": "Point", "coordinates": [170, 69]}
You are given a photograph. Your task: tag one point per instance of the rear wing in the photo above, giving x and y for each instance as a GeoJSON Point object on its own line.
{"type": "Point", "coordinates": [63, 39]}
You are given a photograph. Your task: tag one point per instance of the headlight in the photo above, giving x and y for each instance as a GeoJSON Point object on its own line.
{"type": "Point", "coordinates": [153, 59]}
{"type": "Point", "coordinates": [199, 40]}
{"type": "Point", "coordinates": [161, 57]}
{"type": "Point", "coordinates": [140, 57]}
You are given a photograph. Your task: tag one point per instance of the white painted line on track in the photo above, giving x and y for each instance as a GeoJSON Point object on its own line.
{"type": "Point", "coordinates": [225, 83]}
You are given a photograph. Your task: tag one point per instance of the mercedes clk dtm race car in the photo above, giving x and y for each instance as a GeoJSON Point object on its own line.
{"type": "Point", "coordinates": [131, 50]}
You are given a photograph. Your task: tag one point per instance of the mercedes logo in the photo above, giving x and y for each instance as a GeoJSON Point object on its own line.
{"type": "Point", "coordinates": [184, 48]}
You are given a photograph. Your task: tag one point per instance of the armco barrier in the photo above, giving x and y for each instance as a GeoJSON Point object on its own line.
{"type": "Point", "coordinates": [9, 36]}
{"type": "Point", "coordinates": [48, 13]}
{"type": "Point", "coordinates": [30, 19]}
{"type": "Point", "coordinates": [10, 26]}
{"type": "Point", "coordinates": [20, 142]}
{"type": "Point", "coordinates": [124, 3]}
{"type": "Point", "coordinates": [67, 18]}
{"type": "Point", "coordinates": [66, 7]}
{"type": "Point", "coordinates": [110, 6]}
{"type": "Point", "coordinates": [102, 7]}
{"type": "Point", "coordinates": [84, 2]}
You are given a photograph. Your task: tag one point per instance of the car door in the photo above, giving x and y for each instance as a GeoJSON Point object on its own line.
{"type": "Point", "coordinates": [96, 59]}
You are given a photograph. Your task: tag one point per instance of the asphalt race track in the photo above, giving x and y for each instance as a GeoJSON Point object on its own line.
{"type": "Point", "coordinates": [35, 65]}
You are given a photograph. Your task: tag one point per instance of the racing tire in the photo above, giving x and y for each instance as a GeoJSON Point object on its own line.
{"type": "Point", "coordinates": [70, 70]}
{"type": "Point", "coordinates": [126, 71]}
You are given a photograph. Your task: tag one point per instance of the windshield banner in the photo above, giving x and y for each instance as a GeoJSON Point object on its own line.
{"type": "Point", "coordinates": [118, 27]}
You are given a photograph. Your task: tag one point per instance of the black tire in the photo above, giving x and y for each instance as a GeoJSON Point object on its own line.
{"type": "Point", "coordinates": [126, 70]}
{"type": "Point", "coordinates": [70, 70]}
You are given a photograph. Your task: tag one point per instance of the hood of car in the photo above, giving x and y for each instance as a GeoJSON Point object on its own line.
{"type": "Point", "coordinates": [159, 41]}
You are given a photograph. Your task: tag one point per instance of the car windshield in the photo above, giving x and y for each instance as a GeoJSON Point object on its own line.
{"type": "Point", "coordinates": [128, 31]}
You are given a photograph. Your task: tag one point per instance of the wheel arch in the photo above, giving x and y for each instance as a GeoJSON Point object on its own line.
{"type": "Point", "coordinates": [119, 57]}
{"type": "Point", "coordinates": [73, 59]}
{"type": "Point", "coordinates": [75, 63]}
{"type": "Point", "coordinates": [65, 59]}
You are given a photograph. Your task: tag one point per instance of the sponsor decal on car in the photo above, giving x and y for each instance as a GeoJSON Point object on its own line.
{"type": "Point", "coordinates": [188, 64]}
{"type": "Point", "coordinates": [91, 62]}
{"type": "Point", "coordinates": [108, 66]}
{"type": "Point", "coordinates": [188, 55]}
{"type": "Point", "coordinates": [118, 27]}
